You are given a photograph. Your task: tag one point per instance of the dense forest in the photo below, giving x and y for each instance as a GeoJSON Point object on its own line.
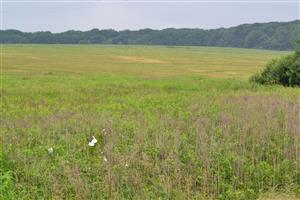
{"type": "Point", "coordinates": [272, 35]}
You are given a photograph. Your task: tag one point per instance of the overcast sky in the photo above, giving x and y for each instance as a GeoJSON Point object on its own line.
{"type": "Point", "coordinates": [62, 16]}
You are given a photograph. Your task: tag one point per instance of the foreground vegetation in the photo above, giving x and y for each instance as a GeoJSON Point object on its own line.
{"type": "Point", "coordinates": [161, 135]}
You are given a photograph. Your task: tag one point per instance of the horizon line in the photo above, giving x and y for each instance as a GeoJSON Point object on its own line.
{"type": "Point", "coordinates": [140, 29]}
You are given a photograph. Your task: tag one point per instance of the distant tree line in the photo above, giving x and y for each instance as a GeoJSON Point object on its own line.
{"type": "Point", "coordinates": [272, 35]}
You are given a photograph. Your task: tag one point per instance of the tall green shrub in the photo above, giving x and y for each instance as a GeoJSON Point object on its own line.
{"type": "Point", "coordinates": [284, 71]}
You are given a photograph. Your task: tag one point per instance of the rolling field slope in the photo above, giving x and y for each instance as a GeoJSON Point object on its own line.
{"type": "Point", "coordinates": [135, 60]}
{"type": "Point", "coordinates": [170, 123]}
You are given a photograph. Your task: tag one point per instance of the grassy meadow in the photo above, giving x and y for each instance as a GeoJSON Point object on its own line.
{"type": "Point", "coordinates": [171, 123]}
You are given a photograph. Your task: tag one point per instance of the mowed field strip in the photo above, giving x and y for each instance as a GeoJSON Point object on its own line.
{"type": "Point", "coordinates": [148, 61]}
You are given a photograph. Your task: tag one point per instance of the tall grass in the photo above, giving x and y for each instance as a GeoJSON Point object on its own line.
{"type": "Point", "coordinates": [163, 138]}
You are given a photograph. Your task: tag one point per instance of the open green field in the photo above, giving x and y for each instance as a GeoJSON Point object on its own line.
{"type": "Point", "coordinates": [171, 123]}
{"type": "Point", "coordinates": [146, 61]}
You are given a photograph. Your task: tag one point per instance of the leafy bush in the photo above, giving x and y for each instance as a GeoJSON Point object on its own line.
{"type": "Point", "coordinates": [6, 178]}
{"type": "Point", "coordinates": [284, 71]}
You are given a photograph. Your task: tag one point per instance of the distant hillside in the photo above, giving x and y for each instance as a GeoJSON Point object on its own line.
{"type": "Point", "coordinates": [272, 35]}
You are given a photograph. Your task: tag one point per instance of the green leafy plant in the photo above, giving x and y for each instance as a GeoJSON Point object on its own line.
{"type": "Point", "coordinates": [284, 71]}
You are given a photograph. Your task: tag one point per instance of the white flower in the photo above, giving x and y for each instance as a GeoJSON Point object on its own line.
{"type": "Point", "coordinates": [93, 142]}
{"type": "Point", "coordinates": [104, 159]}
{"type": "Point", "coordinates": [50, 150]}
{"type": "Point", "coordinates": [126, 165]}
